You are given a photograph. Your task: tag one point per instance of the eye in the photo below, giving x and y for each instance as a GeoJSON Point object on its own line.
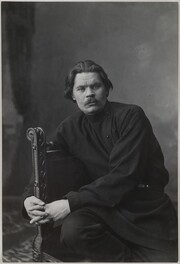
{"type": "Point", "coordinates": [96, 86]}
{"type": "Point", "coordinates": [81, 89]}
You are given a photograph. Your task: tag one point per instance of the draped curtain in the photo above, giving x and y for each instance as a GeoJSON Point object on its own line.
{"type": "Point", "coordinates": [19, 27]}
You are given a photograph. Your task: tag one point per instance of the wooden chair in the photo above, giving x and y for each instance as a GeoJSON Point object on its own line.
{"type": "Point", "coordinates": [55, 173]}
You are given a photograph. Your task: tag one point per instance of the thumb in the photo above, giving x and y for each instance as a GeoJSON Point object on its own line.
{"type": "Point", "coordinates": [38, 201]}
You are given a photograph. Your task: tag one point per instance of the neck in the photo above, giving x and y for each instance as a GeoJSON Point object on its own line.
{"type": "Point", "coordinates": [97, 116]}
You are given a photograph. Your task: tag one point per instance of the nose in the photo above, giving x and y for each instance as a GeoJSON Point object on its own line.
{"type": "Point", "coordinates": [89, 92]}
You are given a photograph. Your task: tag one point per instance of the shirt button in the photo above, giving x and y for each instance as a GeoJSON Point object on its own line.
{"type": "Point", "coordinates": [107, 137]}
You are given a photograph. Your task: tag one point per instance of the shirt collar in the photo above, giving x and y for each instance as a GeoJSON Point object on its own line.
{"type": "Point", "coordinates": [99, 115]}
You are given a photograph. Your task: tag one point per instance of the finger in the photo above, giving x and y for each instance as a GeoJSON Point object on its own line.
{"type": "Point", "coordinates": [36, 219]}
{"type": "Point", "coordinates": [38, 213]}
{"type": "Point", "coordinates": [37, 201]}
{"type": "Point", "coordinates": [41, 220]}
{"type": "Point", "coordinates": [44, 221]}
{"type": "Point", "coordinates": [30, 215]}
{"type": "Point", "coordinates": [37, 207]}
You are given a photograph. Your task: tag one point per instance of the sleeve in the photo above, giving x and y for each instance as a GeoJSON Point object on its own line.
{"type": "Point", "coordinates": [29, 191]}
{"type": "Point", "coordinates": [57, 138]}
{"type": "Point", "coordinates": [127, 165]}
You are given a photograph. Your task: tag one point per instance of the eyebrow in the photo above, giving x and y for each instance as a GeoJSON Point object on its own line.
{"type": "Point", "coordinates": [82, 86]}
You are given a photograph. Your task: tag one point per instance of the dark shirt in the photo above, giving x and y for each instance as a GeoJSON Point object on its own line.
{"type": "Point", "coordinates": [126, 166]}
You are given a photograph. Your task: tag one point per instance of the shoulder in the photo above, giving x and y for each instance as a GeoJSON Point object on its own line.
{"type": "Point", "coordinates": [124, 110]}
{"type": "Point", "coordinates": [129, 115]}
{"type": "Point", "coordinates": [71, 120]}
{"type": "Point", "coordinates": [66, 130]}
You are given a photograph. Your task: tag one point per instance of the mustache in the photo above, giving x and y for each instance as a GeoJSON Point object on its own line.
{"type": "Point", "coordinates": [89, 101]}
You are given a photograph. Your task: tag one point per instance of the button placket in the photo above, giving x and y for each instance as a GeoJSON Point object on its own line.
{"type": "Point", "coordinates": [108, 140]}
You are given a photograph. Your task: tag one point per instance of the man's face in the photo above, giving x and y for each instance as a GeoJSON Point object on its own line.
{"type": "Point", "coordinates": [89, 92]}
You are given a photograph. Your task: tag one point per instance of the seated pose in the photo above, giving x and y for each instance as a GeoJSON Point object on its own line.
{"type": "Point", "coordinates": [123, 214]}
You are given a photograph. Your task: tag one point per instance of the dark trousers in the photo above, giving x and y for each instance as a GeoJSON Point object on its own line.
{"type": "Point", "coordinates": [84, 237]}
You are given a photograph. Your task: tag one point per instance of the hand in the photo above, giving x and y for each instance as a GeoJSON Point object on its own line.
{"type": "Point", "coordinates": [36, 210]}
{"type": "Point", "coordinates": [57, 210]}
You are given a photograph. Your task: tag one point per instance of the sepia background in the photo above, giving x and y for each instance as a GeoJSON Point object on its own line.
{"type": "Point", "coordinates": [137, 45]}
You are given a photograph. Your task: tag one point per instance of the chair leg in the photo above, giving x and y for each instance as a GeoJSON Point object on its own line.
{"type": "Point", "coordinates": [37, 244]}
{"type": "Point", "coordinates": [37, 256]}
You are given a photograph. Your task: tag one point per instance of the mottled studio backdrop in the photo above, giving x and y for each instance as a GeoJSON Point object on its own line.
{"type": "Point", "coordinates": [136, 43]}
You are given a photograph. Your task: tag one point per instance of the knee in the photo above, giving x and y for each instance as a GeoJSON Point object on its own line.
{"type": "Point", "coordinates": [71, 229]}
{"type": "Point", "coordinates": [80, 227]}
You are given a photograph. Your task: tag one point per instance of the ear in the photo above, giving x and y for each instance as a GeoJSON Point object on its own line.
{"type": "Point", "coordinates": [107, 92]}
{"type": "Point", "coordinates": [73, 97]}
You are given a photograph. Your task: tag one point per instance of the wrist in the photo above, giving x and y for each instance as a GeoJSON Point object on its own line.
{"type": "Point", "coordinates": [74, 200]}
{"type": "Point", "coordinates": [67, 206]}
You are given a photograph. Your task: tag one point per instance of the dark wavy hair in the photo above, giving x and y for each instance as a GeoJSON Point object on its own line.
{"type": "Point", "coordinates": [85, 66]}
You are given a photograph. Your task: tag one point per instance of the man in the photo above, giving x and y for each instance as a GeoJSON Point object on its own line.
{"type": "Point", "coordinates": [123, 214]}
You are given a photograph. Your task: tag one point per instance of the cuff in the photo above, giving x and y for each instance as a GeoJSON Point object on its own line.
{"type": "Point", "coordinates": [24, 212]}
{"type": "Point", "coordinates": [74, 200]}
